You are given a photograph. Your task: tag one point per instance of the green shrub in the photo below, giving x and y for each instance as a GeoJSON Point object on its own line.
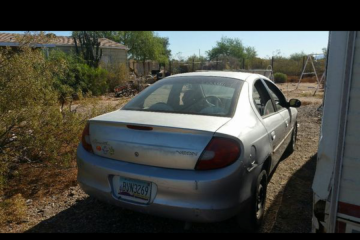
{"type": "Point", "coordinates": [78, 76]}
{"type": "Point", "coordinates": [280, 78]}
{"type": "Point", "coordinates": [117, 75]}
{"type": "Point", "coordinates": [13, 210]}
{"type": "Point", "coordinates": [31, 124]}
{"type": "Point", "coordinates": [26, 92]}
{"type": "Point", "coordinates": [32, 127]}
{"type": "Point", "coordinates": [93, 80]}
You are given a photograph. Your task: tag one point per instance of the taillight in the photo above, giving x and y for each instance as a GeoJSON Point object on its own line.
{"type": "Point", "coordinates": [85, 139]}
{"type": "Point", "coordinates": [219, 153]}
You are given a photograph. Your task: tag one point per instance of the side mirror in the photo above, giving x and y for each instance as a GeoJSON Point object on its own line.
{"type": "Point", "coordinates": [294, 103]}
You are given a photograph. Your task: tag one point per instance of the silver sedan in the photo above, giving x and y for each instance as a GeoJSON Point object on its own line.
{"type": "Point", "coordinates": [198, 147]}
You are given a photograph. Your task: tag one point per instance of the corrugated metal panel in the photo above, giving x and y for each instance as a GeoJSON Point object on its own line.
{"type": "Point", "coordinates": [350, 180]}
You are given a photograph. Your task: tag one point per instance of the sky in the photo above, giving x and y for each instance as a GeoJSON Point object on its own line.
{"type": "Point", "coordinates": [266, 43]}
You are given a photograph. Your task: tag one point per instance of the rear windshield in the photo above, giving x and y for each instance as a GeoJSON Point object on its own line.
{"type": "Point", "coordinates": [215, 96]}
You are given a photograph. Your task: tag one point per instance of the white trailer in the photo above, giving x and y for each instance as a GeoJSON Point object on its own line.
{"type": "Point", "coordinates": [336, 183]}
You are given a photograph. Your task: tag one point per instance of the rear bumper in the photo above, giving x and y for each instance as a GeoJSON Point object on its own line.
{"type": "Point", "coordinates": [195, 196]}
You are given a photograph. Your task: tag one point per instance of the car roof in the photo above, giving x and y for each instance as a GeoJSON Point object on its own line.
{"type": "Point", "coordinates": [249, 77]}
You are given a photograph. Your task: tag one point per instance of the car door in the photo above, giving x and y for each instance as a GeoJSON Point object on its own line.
{"type": "Point", "coordinates": [280, 103]}
{"type": "Point", "coordinates": [272, 119]}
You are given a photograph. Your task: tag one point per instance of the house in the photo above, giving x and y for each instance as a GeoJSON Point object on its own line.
{"type": "Point", "coordinates": [336, 183]}
{"type": "Point", "coordinates": [112, 52]}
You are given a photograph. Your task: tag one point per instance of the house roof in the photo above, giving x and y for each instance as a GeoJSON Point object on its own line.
{"type": "Point", "coordinates": [11, 39]}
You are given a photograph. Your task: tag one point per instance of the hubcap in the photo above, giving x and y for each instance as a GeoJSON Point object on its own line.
{"type": "Point", "coordinates": [260, 200]}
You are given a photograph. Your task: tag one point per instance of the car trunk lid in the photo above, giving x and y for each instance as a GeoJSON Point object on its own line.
{"type": "Point", "coordinates": [155, 139]}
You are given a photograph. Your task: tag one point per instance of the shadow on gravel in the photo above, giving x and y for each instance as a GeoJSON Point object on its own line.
{"type": "Point", "coordinates": [290, 212]}
{"type": "Point", "coordinates": [91, 215]}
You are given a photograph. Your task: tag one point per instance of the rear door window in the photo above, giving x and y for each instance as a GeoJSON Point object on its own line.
{"type": "Point", "coordinates": [262, 99]}
{"type": "Point", "coordinates": [277, 95]}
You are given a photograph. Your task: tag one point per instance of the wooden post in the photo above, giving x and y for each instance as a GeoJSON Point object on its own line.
{"type": "Point", "coordinates": [217, 61]}
{"type": "Point", "coordinates": [272, 63]}
{"type": "Point", "coordinates": [193, 68]}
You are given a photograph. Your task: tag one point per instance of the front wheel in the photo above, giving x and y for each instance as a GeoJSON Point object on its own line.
{"type": "Point", "coordinates": [251, 218]}
{"type": "Point", "coordinates": [292, 144]}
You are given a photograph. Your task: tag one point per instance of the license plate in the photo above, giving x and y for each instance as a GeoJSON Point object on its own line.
{"type": "Point", "coordinates": [134, 190]}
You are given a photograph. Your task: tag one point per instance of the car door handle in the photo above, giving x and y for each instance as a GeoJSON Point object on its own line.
{"type": "Point", "coordinates": [253, 165]}
{"type": "Point", "coordinates": [273, 136]}
{"type": "Point", "coordinates": [286, 123]}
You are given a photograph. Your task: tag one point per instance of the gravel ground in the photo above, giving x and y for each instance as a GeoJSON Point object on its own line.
{"type": "Point", "coordinates": [288, 206]}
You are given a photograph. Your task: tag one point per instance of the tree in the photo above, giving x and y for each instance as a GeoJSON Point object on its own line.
{"type": "Point", "coordinates": [131, 39]}
{"type": "Point", "coordinates": [250, 52]}
{"type": "Point", "coordinates": [179, 57]}
{"type": "Point", "coordinates": [127, 38]}
{"type": "Point", "coordinates": [87, 46]}
{"type": "Point", "coordinates": [231, 52]}
{"type": "Point", "coordinates": [143, 45]}
{"type": "Point", "coordinates": [277, 54]}
{"type": "Point", "coordinates": [231, 47]}
{"type": "Point", "coordinates": [195, 62]}
{"type": "Point", "coordinates": [145, 48]}
{"type": "Point", "coordinates": [112, 35]}
{"type": "Point", "coordinates": [164, 51]}
{"type": "Point", "coordinates": [324, 50]}
{"type": "Point", "coordinates": [298, 56]}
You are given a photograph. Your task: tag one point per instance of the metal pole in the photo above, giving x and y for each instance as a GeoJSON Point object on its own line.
{"type": "Point", "coordinates": [312, 63]}
{"type": "Point", "coordinates": [303, 63]}
{"type": "Point", "coordinates": [302, 73]}
{"type": "Point", "coordinates": [321, 80]}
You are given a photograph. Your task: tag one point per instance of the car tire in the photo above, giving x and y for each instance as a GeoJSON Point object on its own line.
{"type": "Point", "coordinates": [291, 148]}
{"type": "Point", "coordinates": [251, 218]}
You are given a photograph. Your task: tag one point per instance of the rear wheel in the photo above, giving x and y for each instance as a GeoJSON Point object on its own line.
{"type": "Point", "coordinates": [251, 218]}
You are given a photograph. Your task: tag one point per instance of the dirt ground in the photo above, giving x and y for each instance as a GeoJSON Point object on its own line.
{"type": "Point", "coordinates": [63, 207]}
